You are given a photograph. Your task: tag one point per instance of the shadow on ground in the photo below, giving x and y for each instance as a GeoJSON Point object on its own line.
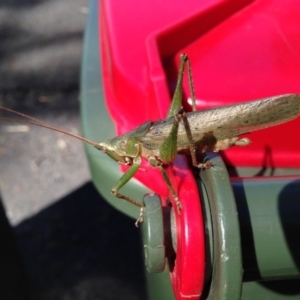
{"type": "Point", "coordinates": [78, 248]}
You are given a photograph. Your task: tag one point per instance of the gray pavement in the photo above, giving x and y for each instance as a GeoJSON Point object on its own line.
{"type": "Point", "coordinates": [40, 55]}
{"type": "Point", "coordinates": [66, 247]}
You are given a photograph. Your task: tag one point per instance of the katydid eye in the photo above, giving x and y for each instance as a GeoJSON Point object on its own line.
{"type": "Point", "coordinates": [123, 144]}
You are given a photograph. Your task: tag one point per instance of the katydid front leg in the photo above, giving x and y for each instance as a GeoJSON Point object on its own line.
{"type": "Point", "coordinates": [125, 149]}
{"type": "Point", "coordinates": [122, 181]}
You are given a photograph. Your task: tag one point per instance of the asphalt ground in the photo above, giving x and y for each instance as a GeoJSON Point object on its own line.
{"type": "Point", "coordinates": [58, 240]}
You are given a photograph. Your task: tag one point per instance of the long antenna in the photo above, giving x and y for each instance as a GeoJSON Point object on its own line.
{"type": "Point", "coordinates": [43, 124]}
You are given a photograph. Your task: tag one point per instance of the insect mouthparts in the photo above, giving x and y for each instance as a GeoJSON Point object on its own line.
{"type": "Point", "coordinates": [101, 147]}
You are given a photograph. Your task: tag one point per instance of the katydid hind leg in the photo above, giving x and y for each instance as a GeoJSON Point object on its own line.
{"type": "Point", "coordinates": [176, 109]}
{"type": "Point", "coordinates": [191, 83]}
{"type": "Point", "coordinates": [168, 149]}
{"type": "Point", "coordinates": [177, 97]}
{"type": "Point", "coordinates": [188, 131]}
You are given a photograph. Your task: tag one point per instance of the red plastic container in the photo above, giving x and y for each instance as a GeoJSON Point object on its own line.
{"type": "Point", "coordinates": [239, 50]}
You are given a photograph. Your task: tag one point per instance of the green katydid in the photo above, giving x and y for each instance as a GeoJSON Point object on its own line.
{"type": "Point", "coordinates": [186, 133]}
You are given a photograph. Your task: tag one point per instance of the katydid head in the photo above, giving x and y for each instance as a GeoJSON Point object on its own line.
{"type": "Point", "coordinates": [121, 148]}
{"type": "Point", "coordinates": [124, 148]}
{"type": "Point", "coordinates": [111, 151]}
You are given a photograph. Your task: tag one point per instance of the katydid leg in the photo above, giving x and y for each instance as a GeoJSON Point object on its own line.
{"type": "Point", "coordinates": [191, 82]}
{"type": "Point", "coordinates": [124, 179]}
{"type": "Point", "coordinates": [168, 149]}
{"type": "Point", "coordinates": [170, 187]}
{"type": "Point", "coordinates": [157, 164]}
{"type": "Point", "coordinates": [183, 117]}
{"type": "Point", "coordinates": [177, 97]}
{"type": "Point", "coordinates": [177, 110]}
